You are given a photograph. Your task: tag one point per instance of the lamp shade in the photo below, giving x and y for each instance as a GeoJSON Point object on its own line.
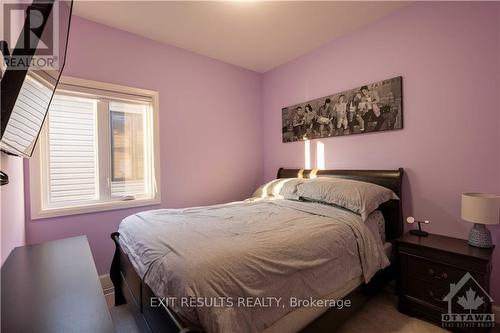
{"type": "Point", "coordinates": [481, 208]}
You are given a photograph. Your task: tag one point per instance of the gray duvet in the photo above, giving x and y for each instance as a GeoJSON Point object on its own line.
{"type": "Point", "coordinates": [261, 249]}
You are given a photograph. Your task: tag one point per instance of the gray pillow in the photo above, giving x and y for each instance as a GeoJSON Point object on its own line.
{"type": "Point", "coordinates": [359, 197]}
{"type": "Point", "coordinates": [286, 187]}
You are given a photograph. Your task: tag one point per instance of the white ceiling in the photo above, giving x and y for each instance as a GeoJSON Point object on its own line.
{"type": "Point", "coordinates": [257, 35]}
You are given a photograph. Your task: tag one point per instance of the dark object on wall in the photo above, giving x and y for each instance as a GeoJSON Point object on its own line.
{"type": "Point", "coordinates": [33, 70]}
{"type": "Point", "coordinates": [130, 287]}
{"type": "Point", "coordinates": [4, 179]}
{"type": "Point", "coordinates": [374, 107]}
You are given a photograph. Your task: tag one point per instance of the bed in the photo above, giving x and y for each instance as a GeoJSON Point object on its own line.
{"type": "Point", "coordinates": [298, 260]}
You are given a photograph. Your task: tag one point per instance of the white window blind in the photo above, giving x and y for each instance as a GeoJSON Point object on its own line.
{"type": "Point", "coordinates": [72, 152]}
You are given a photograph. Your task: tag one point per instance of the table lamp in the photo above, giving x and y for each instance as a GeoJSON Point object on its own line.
{"type": "Point", "coordinates": [481, 209]}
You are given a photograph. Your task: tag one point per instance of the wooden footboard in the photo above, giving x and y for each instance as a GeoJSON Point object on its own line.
{"type": "Point", "coordinates": [128, 284]}
{"type": "Point", "coordinates": [115, 274]}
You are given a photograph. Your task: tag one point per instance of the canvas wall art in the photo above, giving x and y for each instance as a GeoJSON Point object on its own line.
{"type": "Point", "coordinates": [370, 108]}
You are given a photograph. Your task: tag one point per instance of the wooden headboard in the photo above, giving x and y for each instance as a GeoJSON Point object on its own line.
{"type": "Point", "coordinates": [392, 179]}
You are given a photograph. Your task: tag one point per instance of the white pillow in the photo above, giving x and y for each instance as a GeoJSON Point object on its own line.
{"type": "Point", "coordinates": [286, 187]}
{"type": "Point", "coordinates": [359, 197]}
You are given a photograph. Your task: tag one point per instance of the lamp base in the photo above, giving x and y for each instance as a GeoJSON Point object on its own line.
{"type": "Point", "coordinates": [480, 236]}
{"type": "Point", "coordinates": [419, 233]}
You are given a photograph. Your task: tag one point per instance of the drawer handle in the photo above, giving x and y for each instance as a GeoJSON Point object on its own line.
{"type": "Point", "coordinates": [443, 276]}
{"type": "Point", "coordinates": [437, 299]}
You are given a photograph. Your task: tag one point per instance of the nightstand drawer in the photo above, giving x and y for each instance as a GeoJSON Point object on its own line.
{"type": "Point", "coordinates": [427, 292]}
{"type": "Point", "coordinates": [435, 272]}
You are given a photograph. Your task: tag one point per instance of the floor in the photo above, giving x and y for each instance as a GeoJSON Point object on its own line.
{"type": "Point", "coordinates": [378, 315]}
{"type": "Point", "coordinates": [127, 320]}
{"type": "Point", "coordinates": [381, 315]}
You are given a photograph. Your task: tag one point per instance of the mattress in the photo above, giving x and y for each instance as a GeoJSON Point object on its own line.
{"type": "Point", "coordinates": [279, 248]}
{"type": "Point", "coordinates": [298, 319]}
{"type": "Point", "coordinates": [376, 224]}
{"type": "Point", "coordinates": [301, 317]}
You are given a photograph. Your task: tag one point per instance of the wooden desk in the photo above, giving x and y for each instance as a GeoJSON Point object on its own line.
{"type": "Point", "coordinates": [53, 287]}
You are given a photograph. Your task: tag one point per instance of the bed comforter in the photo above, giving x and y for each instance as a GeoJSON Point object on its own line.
{"type": "Point", "coordinates": [261, 249]}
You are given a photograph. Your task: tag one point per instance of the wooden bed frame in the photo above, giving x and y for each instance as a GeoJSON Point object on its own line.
{"type": "Point", "coordinates": [129, 286]}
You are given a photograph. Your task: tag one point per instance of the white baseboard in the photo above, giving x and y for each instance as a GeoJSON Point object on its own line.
{"type": "Point", "coordinates": [107, 285]}
{"type": "Point", "coordinates": [108, 289]}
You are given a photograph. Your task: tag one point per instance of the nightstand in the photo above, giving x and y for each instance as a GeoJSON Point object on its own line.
{"type": "Point", "coordinates": [427, 266]}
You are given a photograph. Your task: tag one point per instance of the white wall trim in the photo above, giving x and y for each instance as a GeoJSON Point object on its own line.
{"type": "Point", "coordinates": [92, 208]}
{"type": "Point", "coordinates": [108, 290]}
{"type": "Point", "coordinates": [107, 285]}
{"type": "Point", "coordinates": [84, 86]}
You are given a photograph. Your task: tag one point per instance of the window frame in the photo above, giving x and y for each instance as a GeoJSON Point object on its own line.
{"type": "Point", "coordinates": [38, 167]}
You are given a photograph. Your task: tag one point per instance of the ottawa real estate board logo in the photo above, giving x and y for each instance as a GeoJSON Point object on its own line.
{"type": "Point", "coordinates": [469, 305]}
{"type": "Point", "coordinates": [45, 46]}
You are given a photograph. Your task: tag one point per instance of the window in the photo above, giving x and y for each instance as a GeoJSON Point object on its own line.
{"type": "Point", "coordinates": [127, 148]}
{"type": "Point", "coordinates": [98, 150]}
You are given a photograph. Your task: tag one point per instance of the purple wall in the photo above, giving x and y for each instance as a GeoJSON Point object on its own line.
{"type": "Point", "coordinates": [12, 227]}
{"type": "Point", "coordinates": [448, 55]}
{"type": "Point", "coordinates": [12, 222]}
{"type": "Point", "coordinates": [209, 126]}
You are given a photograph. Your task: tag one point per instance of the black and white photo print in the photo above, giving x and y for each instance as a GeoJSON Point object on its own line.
{"type": "Point", "coordinates": [374, 107]}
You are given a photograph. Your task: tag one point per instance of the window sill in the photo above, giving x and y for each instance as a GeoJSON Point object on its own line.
{"type": "Point", "coordinates": [92, 208]}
